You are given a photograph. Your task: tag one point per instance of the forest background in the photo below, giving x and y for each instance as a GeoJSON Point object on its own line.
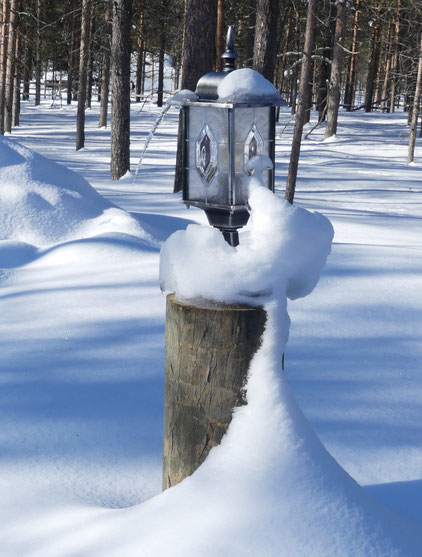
{"type": "Point", "coordinates": [321, 54]}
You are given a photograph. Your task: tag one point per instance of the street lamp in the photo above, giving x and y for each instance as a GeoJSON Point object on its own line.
{"type": "Point", "coordinates": [220, 136]}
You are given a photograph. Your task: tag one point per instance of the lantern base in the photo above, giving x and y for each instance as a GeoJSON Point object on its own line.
{"type": "Point", "coordinates": [231, 236]}
{"type": "Point", "coordinates": [228, 222]}
{"type": "Point", "coordinates": [226, 219]}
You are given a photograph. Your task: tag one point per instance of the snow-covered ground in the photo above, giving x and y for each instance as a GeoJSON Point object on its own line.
{"type": "Point", "coordinates": [81, 365]}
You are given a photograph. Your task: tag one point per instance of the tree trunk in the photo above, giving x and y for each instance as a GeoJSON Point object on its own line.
{"type": "Point", "coordinates": [3, 60]}
{"type": "Point", "coordinates": [220, 36]}
{"type": "Point", "coordinates": [198, 57]}
{"type": "Point", "coordinates": [144, 58]}
{"type": "Point", "coordinates": [152, 74]}
{"type": "Point", "coordinates": [38, 56]}
{"type": "Point", "coordinates": [72, 44]}
{"type": "Point", "coordinates": [287, 36]}
{"type": "Point", "coordinates": [325, 71]}
{"type": "Point", "coordinates": [140, 62]}
{"type": "Point", "coordinates": [415, 110]}
{"type": "Point", "coordinates": [208, 352]}
{"type": "Point", "coordinates": [160, 86]}
{"type": "Point", "coordinates": [17, 80]}
{"type": "Point", "coordinates": [381, 65]}
{"type": "Point", "coordinates": [308, 95]}
{"type": "Point", "coordinates": [105, 74]}
{"type": "Point", "coordinates": [250, 39]}
{"type": "Point", "coordinates": [83, 61]}
{"type": "Point", "coordinates": [373, 62]}
{"type": "Point", "coordinates": [395, 58]}
{"type": "Point", "coordinates": [384, 94]}
{"type": "Point", "coordinates": [265, 46]}
{"type": "Point", "coordinates": [90, 60]}
{"type": "Point", "coordinates": [301, 109]}
{"type": "Point", "coordinates": [27, 63]}
{"type": "Point", "coordinates": [349, 94]}
{"type": "Point", "coordinates": [333, 97]}
{"type": "Point", "coordinates": [10, 65]}
{"type": "Point", "coordinates": [120, 86]}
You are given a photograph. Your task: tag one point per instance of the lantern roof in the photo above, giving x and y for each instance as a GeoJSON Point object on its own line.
{"type": "Point", "coordinates": [248, 86]}
{"type": "Point", "coordinates": [244, 86]}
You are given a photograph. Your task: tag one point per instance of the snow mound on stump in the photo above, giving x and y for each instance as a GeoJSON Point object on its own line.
{"type": "Point", "coordinates": [247, 85]}
{"type": "Point", "coordinates": [283, 250]}
{"type": "Point", "coordinates": [43, 203]}
{"type": "Point", "coordinates": [270, 488]}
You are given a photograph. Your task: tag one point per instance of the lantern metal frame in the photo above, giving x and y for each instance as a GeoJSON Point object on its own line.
{"type": "Point", "coordinates": [234, 213]}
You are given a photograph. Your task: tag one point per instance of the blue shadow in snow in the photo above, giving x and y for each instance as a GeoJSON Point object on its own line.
{"type": "Point", "coordinates": [404, 498]}
{"type": "Point", "coordinates": [161, 226]}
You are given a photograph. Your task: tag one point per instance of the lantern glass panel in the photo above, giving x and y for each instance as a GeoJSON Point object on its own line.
{"type": "Point", "coordinates": [262, 121]}
{"type": "Point", "coordinates": [207, 156]}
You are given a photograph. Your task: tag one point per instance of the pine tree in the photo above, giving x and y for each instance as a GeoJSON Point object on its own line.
{"type": "Point", "coordinates": [333, 97]}
{"type": "Point", "coordinates": [265, 46]}
{"type": "Point", "coordinates": [120, 88]}
{"type": "Point", "coordinates": [83, 62]}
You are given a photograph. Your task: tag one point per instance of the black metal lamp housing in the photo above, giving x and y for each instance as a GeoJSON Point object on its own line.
{"type": "Point", "coordinates": [219, 138]}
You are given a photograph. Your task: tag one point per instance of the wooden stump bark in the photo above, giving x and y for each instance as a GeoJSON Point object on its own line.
{"type": "Point", "coordinates": [209, 347]}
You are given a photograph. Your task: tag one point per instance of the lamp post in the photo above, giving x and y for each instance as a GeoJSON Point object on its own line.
{"type": "Point", "coordinates": [219, 139]}
{"type": "Point", "coordinates": [209, 346]}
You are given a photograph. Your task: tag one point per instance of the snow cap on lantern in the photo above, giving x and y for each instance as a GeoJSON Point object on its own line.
{"type": "Point", "coordinates": [232, 120]}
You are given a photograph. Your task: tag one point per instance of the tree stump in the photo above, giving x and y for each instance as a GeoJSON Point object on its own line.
{"type": "Point", "coordinates": [209, 347]}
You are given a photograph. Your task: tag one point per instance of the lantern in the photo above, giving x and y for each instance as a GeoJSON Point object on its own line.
{"type": "Point", "coordinates": [220, 136]}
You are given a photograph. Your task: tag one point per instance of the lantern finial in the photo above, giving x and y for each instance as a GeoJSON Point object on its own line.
{"type": "Point", "coordinates": [229, 56]}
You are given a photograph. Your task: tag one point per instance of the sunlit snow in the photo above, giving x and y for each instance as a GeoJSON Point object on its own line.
{"type": "Point", "coordinates": [82, 329]}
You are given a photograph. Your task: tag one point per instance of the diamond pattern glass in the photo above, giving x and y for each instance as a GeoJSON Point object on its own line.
{"type": "Point", "coordinates": [206, 154]}
{"type": "Point", "coordinates": [254, 145]}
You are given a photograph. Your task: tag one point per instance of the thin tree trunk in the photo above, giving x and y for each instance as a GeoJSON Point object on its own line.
{"type": "Point", "coordinates": [325, 71]}
{"type": "Point", "coordinates": [83, 61]}
{"type": "Point", "coordinates": [415, 110]}
{"type": "Point", "coordinates": [38, 56]}
{"type": "Point", "coordinates": [373, 62]}
{"type": "Point", "coordinates": [160, 85]}
{"type": "Point", "coordinates": [10, 66]}
{"type": "Point", "coordinates": [17, 80]}
{"type": "Point", "coordinates": [105, 77]}
{"type": "Point", "coordinates": [140, 65]}
{"type": "Point", "coordinates": [3, 60]}
{"type": "Point", "coordinates": [152, 74]}
{"type": "Point", "coordinates": [120, 100]}
{"type": "Point", "coordinates": [250, 38]}
{"type": "Point", "coordinates": [45, 78]}
{"type": "Point", "coordinates": [389, 55]}
{"type": "Point", "coordinates": [381, 64]}
{"type": "Point", "coordinates": [308, 93]}
{"type": "Point", "coordinates": [265, 45]}
{"type": "Point", "coordinates": [71, 53]}
{"type": "Point", "coordinates": [301, 109]}
{"type": "Point", "coordinates": [333, 97]}
{"type": "Point", "coordinates": [27, 63]}
{"type": "Point", "coordinates": [287, 37]}
{"type": "Point", "coordinates": [90, 60]}
{"type": "Point", "coordinates": [220, 38]}
{"type": "Point", "coordinates": [395, 58]}
{"type": "Point", "coordinates": [144, 61]}
{"type": "Point", "coordinates": [349, 94]}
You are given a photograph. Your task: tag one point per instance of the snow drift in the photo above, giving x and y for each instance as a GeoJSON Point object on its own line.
{"type": "Point", "coordinates": [270, 488]}
{"type": "Point", "coordinates": [43, 203]}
